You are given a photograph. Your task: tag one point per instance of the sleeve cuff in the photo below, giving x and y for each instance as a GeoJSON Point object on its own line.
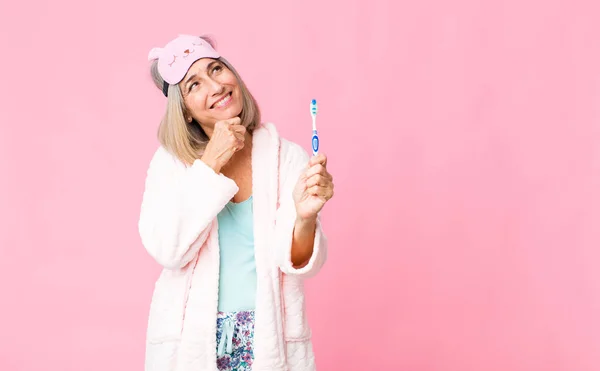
{"type": "Point", "coordinates": [285, 224]}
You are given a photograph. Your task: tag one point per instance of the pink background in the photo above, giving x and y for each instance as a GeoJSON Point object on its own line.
{"type": "Point", "coordinates": [464, 138]}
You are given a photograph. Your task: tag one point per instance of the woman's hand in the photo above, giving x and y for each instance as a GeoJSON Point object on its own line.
{"type": "Point", "coordinates": [313, 190]}
{"type": "Point", "coordinates": [226, 139]}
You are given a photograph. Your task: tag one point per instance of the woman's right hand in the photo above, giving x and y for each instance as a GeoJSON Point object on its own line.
{"type": "Point", "coordinates": [227, 138]}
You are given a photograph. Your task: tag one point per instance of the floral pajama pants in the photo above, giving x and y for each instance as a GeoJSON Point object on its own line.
{"type": "Point", "coordinates": [235, 341]}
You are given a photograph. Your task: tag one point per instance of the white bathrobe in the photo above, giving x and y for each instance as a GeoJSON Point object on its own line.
{"type": "Point", "coordinates": [178, 228]}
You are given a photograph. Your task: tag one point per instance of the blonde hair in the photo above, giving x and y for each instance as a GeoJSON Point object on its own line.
{"type": "Point", "coordinates": [187, 140]}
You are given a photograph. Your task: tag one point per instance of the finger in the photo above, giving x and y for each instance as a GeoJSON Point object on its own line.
{"type": "Point", "coordinates": [236, 148]}
{"type": "Point", "coordinates": [233, 121]}
{"type": "Point", "coordinates": [227, 123]}
{"type": "Point", "coordinates": [318, 180]}
{"type": "Point", "coordinates": [317, 169]}
{"type": "Point", "coordinates": [318, 159]}
{"type": "Point", "coordinates": [238, 128]}
{"type": "Point", "coordinates": [322, 192]}
{"type": "Point", "coordinates": [237, 139]}
{"type": "Point", "coordinates": [239, 145]}
{"type": "Point", "coordinates": [237, 142]}
{"type": "Point", "coordinates": [315, 180]}
{"type": "Point", "coordinates": [239, 136]}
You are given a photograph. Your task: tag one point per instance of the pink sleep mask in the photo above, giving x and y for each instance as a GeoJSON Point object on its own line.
{"type": "Point", "coordinates": [176, 58]}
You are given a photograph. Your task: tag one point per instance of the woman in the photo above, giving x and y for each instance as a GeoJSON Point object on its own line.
{"type": "Point", "coordinates": [231, 211]}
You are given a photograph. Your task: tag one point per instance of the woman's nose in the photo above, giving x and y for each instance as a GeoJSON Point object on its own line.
{"type": "Point", "coordinates": [216, 87]}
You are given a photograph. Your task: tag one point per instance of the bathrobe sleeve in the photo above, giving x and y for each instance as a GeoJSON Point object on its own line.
{"type": "Point", "coordinates": [178, 208]}
{"type": "Point", "coordinates": [293, 161]}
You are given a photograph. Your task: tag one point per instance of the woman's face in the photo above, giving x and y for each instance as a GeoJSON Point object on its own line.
{"type": "Point", "coordinates": [211, 92]}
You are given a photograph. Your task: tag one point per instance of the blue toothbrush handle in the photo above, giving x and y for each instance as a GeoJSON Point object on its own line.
{"type": "Point", "coordinates": [315, 143]}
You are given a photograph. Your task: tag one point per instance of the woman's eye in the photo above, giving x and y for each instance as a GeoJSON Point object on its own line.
{"type": "Point", "coordinates": [217, 68]}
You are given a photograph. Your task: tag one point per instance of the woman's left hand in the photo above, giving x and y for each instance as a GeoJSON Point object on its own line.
{"type": "Point", "coordinates": [314, 189]}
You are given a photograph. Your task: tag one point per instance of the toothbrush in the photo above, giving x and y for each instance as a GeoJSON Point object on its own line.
{"type": "Point", "coordinates": [315, 136]}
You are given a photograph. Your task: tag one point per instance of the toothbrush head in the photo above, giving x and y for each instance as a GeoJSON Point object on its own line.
{"type": "Point", "coordinates": [313, 107]}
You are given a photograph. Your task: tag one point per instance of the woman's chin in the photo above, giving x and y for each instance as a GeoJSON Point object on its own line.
{"type": "Point", "coordinates": [229, 113]}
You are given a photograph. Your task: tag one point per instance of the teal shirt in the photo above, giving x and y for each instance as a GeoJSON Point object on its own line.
{"type": "Point", "coordinates": [237, 276]}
